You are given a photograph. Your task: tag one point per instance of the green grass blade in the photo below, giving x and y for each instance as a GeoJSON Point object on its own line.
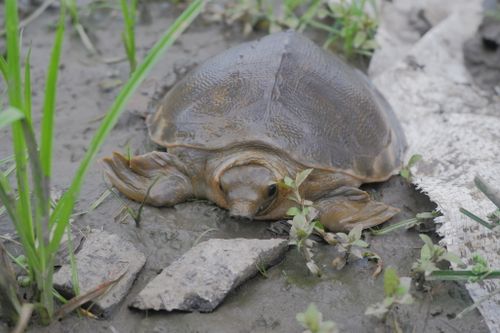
{"type": "Point", "coordinates": [452, 275]}
{"type": "Point", "coordinates": [49, 107]}
{"type": "Point", "coordinates": [309, 14]}
{"type": "Point", "coordinates": [9, 116]}
{"type": "Point", "coordinates": [3, 68]}
{"type": "Point", "coordinates": [476, 218]}
{"type": "Point", "coordinates": [72, 260]}
{"type": "Point", "coordinates": [9, 203]}
{"type": "Point", "coordinates": [64, 208]}
{"type": "Point", "coordinates": [491, 193]}
{"type": "Point", "coordinates": [7, 159]}
{"type": "Point", "coordinates": [16, 100]}
{"type": "Point", "coordinates": [402, 224]}
{"type": "Point", "coordinates": [27, 86]}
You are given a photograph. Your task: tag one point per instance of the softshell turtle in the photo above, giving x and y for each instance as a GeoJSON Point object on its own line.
{"type": "Point", "coordinates": [248, 117]}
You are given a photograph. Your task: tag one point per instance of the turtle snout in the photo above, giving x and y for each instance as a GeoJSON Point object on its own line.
{"type": "Point", "coordinates": [244, 210]}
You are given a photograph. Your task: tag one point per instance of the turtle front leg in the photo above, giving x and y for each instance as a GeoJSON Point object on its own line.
{"type": "Point", "coordinates": [157, 178]}
{"type": "Point", "coordinates": [347, 207]}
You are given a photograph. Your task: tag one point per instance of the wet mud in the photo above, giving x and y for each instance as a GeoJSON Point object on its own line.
{"type": "Point", "coordinates": [263, 304]}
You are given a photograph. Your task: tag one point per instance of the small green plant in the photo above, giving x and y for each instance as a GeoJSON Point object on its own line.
{"type": "Point", "coordinates": [396, 291]}
{"type": "Point", "coordinates": [349, 244]}
{"type": "Point", "coordinates": [271, 16]}
{"type": "Point", "coordinates": [304, 224]}
{"type": "Point", "coordinates": [39, 226]}
{"type": "Point", "coordinates": [129, 11]}
{"type": "Point", "coordinates": [493, 195]}
{"type": "Point", "coordinates": [312, 321]}
{"type": "Point", "coordinates": [406, 170]}
{"type": "Point", "coordinates": [353, 29]}
{"type": "Point", "coordinates": [303, 221]}
{"type": "Point", "coordinates": [430, 255]}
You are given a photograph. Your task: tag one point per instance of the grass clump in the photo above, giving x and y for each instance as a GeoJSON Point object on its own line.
{"type": "Point", "coordinates": [349, 27]}
{"type": "Point", "coordinates": [39, 226]}
{"type": "Point", "coordinates": [353, 31]}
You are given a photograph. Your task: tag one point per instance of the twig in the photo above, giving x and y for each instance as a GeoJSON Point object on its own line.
{"type": "Point", "coordinates": [10, 240]}
{"type": "Point", "coordinates": [85, 39]}
{"type": "Point", "coordinates": [24, 318]}
{"type": "Point", "coordinates": [46, 4]}
{"type": "Point", "coordinates": [202, 235]}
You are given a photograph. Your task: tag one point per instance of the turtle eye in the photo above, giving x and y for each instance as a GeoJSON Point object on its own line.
{"type": "Point", "coordinates": [271, 190]}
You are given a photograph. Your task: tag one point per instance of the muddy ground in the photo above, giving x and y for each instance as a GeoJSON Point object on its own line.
{"type": "Point", "coordinates": [261, 304]}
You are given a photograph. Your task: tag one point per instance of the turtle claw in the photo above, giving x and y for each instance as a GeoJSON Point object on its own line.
{"type": "Point", "coordinates": [148, 178]}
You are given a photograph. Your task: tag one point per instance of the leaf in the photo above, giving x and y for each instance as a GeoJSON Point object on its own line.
{"type": "Point", "coordinates": [427, 267]}
{"type": "Point", "coordinates": [292, 211]}
{"type": "Point", "coordinates": [311, 318]}
{"type": "Point", "coordinates": [355, 233]}
{"type": "Point", "coordinates": [404, 286]}
{"type": "Point", "coordinates": [313, 268]}
{"type": "Point", "coordinates": [378, 310]}
{"type": "Point", "coordinates": [343, 237]}
{"type": "Point", "coordinates": [359, 39]}
{"type": "Point", "coordinates": [405, 173]}
{"type": "Point", "coordinates": [425, 253]}
{"type": "Point", "coordinates": [357, 252]}
{"type": "Point", "coordinates": [80, 300]}
{"type": "Point", "coordinates": [301, 176]}
{"type": "Point", "coordinates": [289, 182]}
{"type": "Point", "coordinates": [49, 106]}
{"type": "Point", "coordinates": [452, 258]}
{"type": "Point", "coordinates": [360, 243]}
{"type": "Point", "coordinates": [10, 115]}
{"type": "Point", "coordinates": [391, 282]}
{"type": "Point", "coordinates": [427, 215]}
{"type": "Point", "coordinates": [414, 159]}
{"type": "Point", "coordinates": [427, 240]}
{"type": "Point", "coordinates": [299, 221]}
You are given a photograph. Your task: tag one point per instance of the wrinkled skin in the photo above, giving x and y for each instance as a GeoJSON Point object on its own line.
{"type": "Point", "coordinates": [245, 183]}
{"type": "Point", "coordinates": [245, 119]}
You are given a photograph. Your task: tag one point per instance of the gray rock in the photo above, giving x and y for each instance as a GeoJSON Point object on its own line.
{"type": "Point", "coordinates": [202, 277]}
{"type": "Point", "coordinates": [103, 257]}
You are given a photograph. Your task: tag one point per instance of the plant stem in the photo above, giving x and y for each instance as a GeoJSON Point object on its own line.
{"type": "Point", "coordinates": [457, 275]}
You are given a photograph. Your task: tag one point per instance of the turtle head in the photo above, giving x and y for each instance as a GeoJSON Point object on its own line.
{"type": "Point", "coordinates": [249, 189]}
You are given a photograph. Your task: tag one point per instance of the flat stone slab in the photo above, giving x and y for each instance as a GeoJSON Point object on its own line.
{"type": "Point", "coordinates": [203, 276]}
{"type": "Point", "coordinates": [103, 257]}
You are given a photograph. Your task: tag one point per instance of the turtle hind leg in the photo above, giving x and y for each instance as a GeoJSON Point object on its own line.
{"type": "Point", "coordinates": [157, 178]}
{"type": "Point", "coordinates": [348, 207]}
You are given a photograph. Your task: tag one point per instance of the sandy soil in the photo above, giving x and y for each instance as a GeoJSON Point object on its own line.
{"type": "Point", "coordinates": [260, 305]}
